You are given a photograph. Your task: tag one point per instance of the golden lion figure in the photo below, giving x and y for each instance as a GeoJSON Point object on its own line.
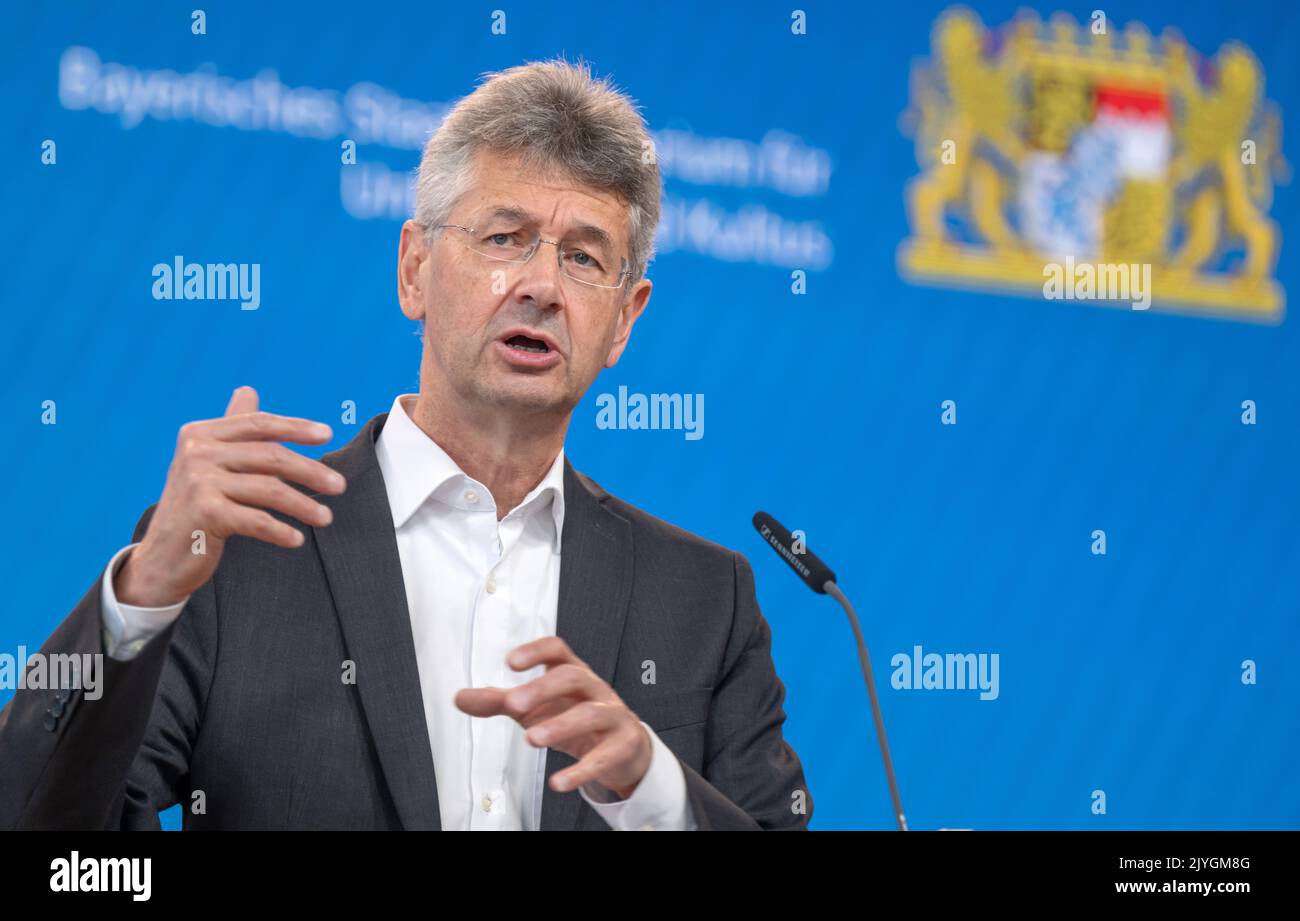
{"type": "Point", "coordinates": [1214, 124]}
{"type": "Point", "coordinates": [974, 112]}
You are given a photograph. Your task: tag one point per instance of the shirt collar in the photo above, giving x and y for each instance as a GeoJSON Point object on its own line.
{"type": "Point", "coordinates": [416, 468]}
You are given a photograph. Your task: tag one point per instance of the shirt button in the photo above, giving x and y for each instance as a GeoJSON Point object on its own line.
{"type": "Point", "coordinates": [471, 497]}
{"type": "Point", "coordinates": [487, 804]}
{"type": "Point", "coordinates": [491, 586]}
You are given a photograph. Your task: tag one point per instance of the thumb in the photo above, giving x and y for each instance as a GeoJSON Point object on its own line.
{"type": "Point", "coordinates": [243, 400]}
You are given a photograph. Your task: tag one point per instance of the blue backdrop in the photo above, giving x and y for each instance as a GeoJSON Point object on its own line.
{"type": "Point", "coordinates": [1118, 672]}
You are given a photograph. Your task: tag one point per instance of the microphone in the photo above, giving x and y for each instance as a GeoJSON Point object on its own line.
{"type": "Point", "coordinates": [819, 577]}
{"type": "Point", "coordinates": [813, 571]}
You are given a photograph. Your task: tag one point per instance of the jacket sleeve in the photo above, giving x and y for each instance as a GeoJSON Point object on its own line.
{"type": "Point", "coordinates": [752, 777]}
{"type": "Point", "coordinates": [65, 754]}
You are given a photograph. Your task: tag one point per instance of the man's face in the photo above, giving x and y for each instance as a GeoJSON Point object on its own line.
{"type": "Point", "coordinates": [510, 336]}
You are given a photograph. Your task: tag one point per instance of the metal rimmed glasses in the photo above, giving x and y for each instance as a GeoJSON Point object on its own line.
{"type": "Point", "coordinates": [518, 247]}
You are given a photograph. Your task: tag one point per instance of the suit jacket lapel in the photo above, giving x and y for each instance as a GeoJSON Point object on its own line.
{"type": "Point", "coordinates": [359, 553]}
{"type": "Point", "coordinates": [595, 587]}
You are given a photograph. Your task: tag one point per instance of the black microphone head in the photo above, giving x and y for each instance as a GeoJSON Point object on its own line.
{"type": "Point", "coordinates": [813, 571]}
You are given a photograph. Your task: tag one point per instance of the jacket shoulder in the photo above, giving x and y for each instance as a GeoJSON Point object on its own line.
{"type": "Point", "coordinates": [654, 535]}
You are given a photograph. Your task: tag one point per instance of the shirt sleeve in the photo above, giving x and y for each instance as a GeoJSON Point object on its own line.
{"type": "Point", "coordinates": [126, 627]}
{"type": "Point", "coordinates": [659, 801]}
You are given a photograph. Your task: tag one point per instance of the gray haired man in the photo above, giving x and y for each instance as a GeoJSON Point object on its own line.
{"type": "Point", "coordinates": [441, 624]}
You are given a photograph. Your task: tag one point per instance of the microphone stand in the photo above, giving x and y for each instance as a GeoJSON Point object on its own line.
{"type": "Point", "coordinates": [834, 591]}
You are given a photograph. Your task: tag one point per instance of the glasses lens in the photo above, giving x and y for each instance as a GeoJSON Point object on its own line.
{"type": "Point", "coordinates": [507, 246]}
{"type": "Point", "coordinates": [590, 268]}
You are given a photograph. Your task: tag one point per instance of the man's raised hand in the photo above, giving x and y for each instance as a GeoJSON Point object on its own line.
{"type": "Point", "coordinates": [226, 472]}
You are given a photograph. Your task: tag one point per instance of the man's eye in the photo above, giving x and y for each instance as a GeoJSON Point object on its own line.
{"type": "Point", "coordinates": [501, 239]}
{"type": "Point", "coordinates": [584, 260]}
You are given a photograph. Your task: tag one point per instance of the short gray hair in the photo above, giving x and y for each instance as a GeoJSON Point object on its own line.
{"type": "Point", "coordinates": [558, 117]}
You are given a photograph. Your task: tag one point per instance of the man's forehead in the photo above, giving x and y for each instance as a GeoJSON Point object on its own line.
{"type": "Point", "coordinates": [506, 183]}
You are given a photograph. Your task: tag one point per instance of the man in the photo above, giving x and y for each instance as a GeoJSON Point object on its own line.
{"type": "Point", "coordinates": [442, 624]}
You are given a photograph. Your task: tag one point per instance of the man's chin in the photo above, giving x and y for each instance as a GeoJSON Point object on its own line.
{"type": "Point", "coordinates": [529, 396]}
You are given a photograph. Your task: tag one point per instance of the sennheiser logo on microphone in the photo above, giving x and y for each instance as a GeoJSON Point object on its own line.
{"type": "Point", "coordinates": [784, 551]}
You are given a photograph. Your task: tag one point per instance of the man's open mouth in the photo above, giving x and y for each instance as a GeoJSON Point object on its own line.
{"type": "Point", "coordinates": [525, 344]}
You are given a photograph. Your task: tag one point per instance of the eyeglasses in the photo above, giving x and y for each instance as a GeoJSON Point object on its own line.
{"type": "Point", "coordinates": [519, 247]}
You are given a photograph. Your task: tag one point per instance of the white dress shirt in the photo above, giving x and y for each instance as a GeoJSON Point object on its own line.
{"type": "Point", "coordinates": [476, 588]}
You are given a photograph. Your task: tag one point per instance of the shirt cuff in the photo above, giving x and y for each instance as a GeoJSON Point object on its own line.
{"type": "Point", "coordinates": [126, 627]}
{"type": "Point", "coordinates": [658, 803]}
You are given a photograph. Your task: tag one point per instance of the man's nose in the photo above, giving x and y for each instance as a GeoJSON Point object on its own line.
{"type": "Point", "coordinates": [540, 277]}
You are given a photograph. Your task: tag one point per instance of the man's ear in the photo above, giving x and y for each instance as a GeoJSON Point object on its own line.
{"type": "Point", "coordinates": [412, 251]}
{"type": "Point", "coordinates": [633, 306]}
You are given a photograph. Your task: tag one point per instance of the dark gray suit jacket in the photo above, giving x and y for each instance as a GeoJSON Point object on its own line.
{"type": "Point", "coordinates": [243, 698]}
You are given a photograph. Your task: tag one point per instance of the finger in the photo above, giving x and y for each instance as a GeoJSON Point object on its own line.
{"type": "Point", "coordinates": [610, 753]}
{"type": "Point", "coordinates": [243, 400]}
{"type": "Point", "coordinates": [260, 426]}
{"type": "Point", "coordinates": [268, 492]}
{"type": "Point", "coordinates": [547, 710]}
{"type": "Point", "coordinates": [577, 728]}
{"type": "Point", "coordinates": [488, 701]}
{"type": "Point", "coordinates": [278, 461]}
{"type": "Point", "coordinates": [563, 680]}
{"type": "Point", "coordinates": [549, 650]}
{"type": "Point", "coordinates": [481, 701]}
{"type": "Point", "coordinates": [259, 525]}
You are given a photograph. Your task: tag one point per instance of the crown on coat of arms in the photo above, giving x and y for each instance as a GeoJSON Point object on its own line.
{"type": "Point", "coordinates": [1041, 143]}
